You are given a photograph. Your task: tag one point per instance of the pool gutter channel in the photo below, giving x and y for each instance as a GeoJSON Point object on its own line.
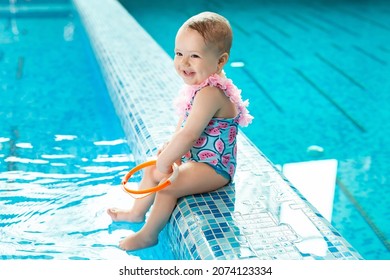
{"type": "Point", "coordinates": [254, 218]}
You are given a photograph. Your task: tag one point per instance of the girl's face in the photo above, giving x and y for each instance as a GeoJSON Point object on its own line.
{"type": "Point", "coordinates": [194, 60]}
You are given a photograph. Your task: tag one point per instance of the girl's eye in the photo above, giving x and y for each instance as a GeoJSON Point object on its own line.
{"type": "Point", "coordinates": [178, 54]}
{"type": "Point", "coordinates": [195, 56]}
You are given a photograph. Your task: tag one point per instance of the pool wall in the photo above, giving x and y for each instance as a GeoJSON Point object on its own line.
{"type": "Point", "coordinates": [259, 216]}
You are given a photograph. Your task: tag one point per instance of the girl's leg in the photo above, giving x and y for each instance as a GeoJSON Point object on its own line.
{"type": "Point", "coordinates": [140, 206]}
{"type": "Point", "coordinates": [193, 178]}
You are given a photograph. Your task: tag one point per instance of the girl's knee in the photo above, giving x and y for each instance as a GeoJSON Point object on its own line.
{"type": "Point", "coordinates": [170, 191]}
{"type": "Point", "coordinates": [150, 171]}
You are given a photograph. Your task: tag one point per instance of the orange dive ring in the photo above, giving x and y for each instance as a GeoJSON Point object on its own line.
{"type": "Point", "coordinates": [146, 192]}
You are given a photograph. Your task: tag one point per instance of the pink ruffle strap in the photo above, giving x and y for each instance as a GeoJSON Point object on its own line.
{"type": "Point", "coordinates": [186, 94]}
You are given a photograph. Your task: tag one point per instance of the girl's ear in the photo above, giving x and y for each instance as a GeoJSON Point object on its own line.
{"type": "Point", "coordinates": [222, 61]}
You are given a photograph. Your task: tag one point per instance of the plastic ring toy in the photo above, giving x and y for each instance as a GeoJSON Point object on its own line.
{"type": "Point", "coordinates": [146, 192]}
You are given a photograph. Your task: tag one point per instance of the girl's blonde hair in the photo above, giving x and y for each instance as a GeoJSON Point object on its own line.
{"type": "Point", "coordinates": [214, 28]}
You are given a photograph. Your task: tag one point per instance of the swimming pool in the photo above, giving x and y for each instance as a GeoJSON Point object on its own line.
{"type": "Point", "coordinates": [259, 216]}
{"type": "Point", "coordinates": [317, 78]}
{"type": "Point", "coordinates": [62, 148]}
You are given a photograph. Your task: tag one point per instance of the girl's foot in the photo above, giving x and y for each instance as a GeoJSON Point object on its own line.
{"type": "Point", "coordinates": [117, 215]}
{"type": "Point", "coordinates": [137, 241]}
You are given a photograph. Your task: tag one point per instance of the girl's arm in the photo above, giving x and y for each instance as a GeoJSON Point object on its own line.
{"type": "Point", "coordinates": [178, 126]}
{"type": "Point", "coordinates": [206, 104]}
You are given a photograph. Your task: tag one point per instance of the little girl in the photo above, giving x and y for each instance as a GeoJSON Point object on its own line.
{"type": "Point", "coordinates": [204, 144]}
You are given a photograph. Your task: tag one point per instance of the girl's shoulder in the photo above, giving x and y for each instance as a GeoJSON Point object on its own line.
{"type": "Point", "coordinates": [234, 94]}
{"type": "Point", "coordinates": [209, 89]}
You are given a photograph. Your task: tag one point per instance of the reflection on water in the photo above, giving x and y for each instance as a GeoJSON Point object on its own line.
{"type": "Point", "coordinates": [61, 215]}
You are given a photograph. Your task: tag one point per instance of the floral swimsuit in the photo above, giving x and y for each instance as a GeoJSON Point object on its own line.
{"type": "Point", "coordinates": [217, 145]}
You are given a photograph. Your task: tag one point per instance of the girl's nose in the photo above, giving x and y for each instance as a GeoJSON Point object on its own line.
{"type": "Point", "coordinates": [185, 61]}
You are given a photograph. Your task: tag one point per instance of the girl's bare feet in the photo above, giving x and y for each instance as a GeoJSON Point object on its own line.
{"type": "Point", "coordinates": [117, 215]}
{"type": "Point", "coordinates": [137, 241]}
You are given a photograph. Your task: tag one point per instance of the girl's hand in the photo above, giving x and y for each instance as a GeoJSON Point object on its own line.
{"type": "Point", "coordinates": [164, 169]}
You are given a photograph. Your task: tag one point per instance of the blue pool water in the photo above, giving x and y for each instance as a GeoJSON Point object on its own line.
{"type": "Point", "coordinates": [317, 75]}
{"type": "Point", "coordinates": [62, 148]}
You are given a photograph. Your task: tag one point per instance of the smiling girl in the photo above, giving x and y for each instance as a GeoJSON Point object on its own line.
{"type": "Point", "coordinates": [204, 144]}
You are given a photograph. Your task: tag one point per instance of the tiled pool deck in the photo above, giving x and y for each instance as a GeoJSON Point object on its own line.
{"type": "Point", "coordinates": [260, 216]}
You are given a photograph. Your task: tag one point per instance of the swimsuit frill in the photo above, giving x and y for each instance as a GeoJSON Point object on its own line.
{"type": "Point", "coordinates": [183, 103]}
